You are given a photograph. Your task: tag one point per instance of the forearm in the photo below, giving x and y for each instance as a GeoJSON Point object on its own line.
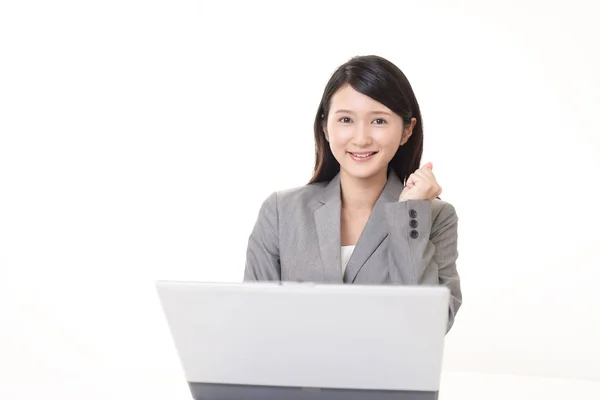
{"type": "Point", "coordinates": [424, 250]}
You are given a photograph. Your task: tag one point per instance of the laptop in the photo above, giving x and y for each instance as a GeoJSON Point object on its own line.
{"type": "Point", "coordinates": [306, 341]}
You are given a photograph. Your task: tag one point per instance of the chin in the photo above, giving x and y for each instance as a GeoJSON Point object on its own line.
{"type": "Point", "coordinates": [364, 173]}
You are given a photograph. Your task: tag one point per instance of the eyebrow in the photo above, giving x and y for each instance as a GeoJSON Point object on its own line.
{"type": "Point", "coordinates": [351, 112]}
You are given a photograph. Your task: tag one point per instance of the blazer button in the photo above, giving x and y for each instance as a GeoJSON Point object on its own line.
{"type": "Point", "coordinates": [414, 234]}
{"type": "Point", "coordinates": [413, 223]}
{"type": "Point", "coordinates": [412, 214]}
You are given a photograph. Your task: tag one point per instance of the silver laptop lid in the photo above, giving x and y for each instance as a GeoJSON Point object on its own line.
{"type": "Point", "coordinates": [308, 335]}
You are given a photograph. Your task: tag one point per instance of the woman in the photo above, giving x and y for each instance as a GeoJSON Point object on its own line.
{"type": "Point", "coordinates": [369, 215]}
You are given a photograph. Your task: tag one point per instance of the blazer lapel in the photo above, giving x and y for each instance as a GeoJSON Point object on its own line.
{"type": "Point", "coordinates": [375, 230]}
{"type": "Point", "coordinates": [327, 222]}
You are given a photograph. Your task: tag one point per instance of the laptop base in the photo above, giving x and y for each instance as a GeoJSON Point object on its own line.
{"type": "Point", "coordinates": [210, 391]}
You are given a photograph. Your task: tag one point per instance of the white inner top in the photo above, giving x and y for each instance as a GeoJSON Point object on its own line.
{"type": "Point", "coordinates": [346, 253]}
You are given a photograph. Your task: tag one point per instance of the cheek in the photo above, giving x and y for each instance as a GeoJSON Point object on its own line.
{"type": "Point", "coordinates": [339, 136]}
{"type": "Point", "coordinates": [387, 140]}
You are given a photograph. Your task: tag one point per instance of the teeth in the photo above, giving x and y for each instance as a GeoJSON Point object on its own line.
{"type": "Point", "coordinates": [362, 155]}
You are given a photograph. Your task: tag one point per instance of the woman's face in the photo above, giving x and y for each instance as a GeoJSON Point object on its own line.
{"type": "Point", "coordinates": [363, 134]}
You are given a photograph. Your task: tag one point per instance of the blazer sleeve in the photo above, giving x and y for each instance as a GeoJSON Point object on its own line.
{"type": "Point", "coordinates": [425, 244]}
{"type": "Point", "coordinates": [262, 253]}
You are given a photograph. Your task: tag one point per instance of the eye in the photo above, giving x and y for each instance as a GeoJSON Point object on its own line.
{"type": "Point", "coordinates": [345, 120]}
{"type": "Point", "coordinates": [380, 121]}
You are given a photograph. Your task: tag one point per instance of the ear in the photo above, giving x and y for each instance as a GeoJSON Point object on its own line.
{"type": "Point", "coordinates": [324, 126]}
{"type": "Point", "coordinates": [408, 130]}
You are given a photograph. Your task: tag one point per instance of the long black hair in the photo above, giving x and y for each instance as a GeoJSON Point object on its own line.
{"type": "Point", "coordinates": [384, 82]}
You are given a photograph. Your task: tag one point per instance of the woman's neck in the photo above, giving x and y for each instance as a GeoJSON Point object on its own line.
{"type": "Point", "coordinates": [361, 194]}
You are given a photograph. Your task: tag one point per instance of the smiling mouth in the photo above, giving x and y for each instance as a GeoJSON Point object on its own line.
{"type": "Point", "coordinates": [363, 156]}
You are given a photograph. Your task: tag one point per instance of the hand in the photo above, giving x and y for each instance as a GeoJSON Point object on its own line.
{"type": "Point", "coordinates": [421, 185]}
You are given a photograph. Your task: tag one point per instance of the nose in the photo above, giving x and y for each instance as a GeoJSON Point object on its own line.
{"type": "Point", "coordinates": [362, 135]}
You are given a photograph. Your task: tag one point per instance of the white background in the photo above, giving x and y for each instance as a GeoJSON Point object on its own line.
{"type": "Point", "coordinates": [139, 138]}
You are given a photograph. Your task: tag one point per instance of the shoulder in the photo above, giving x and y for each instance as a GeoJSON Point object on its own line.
{"type": "Point", "coordinates": [301, 197]}
{"type": "Point", "coordinates": [301, 194]}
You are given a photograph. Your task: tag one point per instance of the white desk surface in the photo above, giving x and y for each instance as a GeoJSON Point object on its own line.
{"type": "Point", "coordinates": [454, 386]}
{"type": "Point", "coordinates": [476, 386]}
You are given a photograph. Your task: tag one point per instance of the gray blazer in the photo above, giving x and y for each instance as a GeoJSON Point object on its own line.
{"type": "Point", "coordinates": [297, 238]}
